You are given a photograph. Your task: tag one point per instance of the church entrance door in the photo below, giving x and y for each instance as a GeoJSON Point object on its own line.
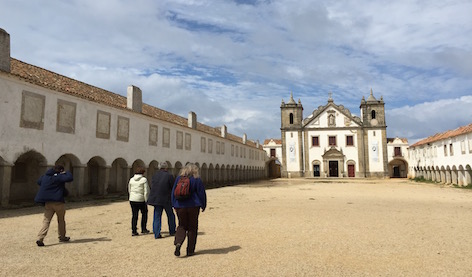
{"type": "Point", "coordinates": [333, 169]}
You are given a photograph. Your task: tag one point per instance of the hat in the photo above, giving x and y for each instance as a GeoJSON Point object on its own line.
{"type": "Point", "coordinates": [163, 165]}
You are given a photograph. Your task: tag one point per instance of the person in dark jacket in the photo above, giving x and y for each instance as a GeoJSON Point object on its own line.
{"type": "Point", "coordinates": [51, 195]}
{"type": "Point", "coordinates": [161, 188]}
{"type": "Point", "coordinates": [188, 210]}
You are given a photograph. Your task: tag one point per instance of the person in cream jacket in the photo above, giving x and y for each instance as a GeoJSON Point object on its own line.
{"type": "Point", "coordinates": [138, 190]}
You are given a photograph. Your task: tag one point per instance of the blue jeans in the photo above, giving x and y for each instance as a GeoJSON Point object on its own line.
{"type": "Point", "coordinates": [156, 224]}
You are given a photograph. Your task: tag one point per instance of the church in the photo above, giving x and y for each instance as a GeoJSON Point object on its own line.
{"type": "Point", "coordinates": [331, 142]}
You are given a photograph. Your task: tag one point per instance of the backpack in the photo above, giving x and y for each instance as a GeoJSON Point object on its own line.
{"type": "Point", "coordinates": [182, 189]}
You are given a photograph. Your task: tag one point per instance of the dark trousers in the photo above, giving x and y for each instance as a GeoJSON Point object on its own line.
{"type": "Point", "coordinates": [188, 227]}
{"type": "Point", "coordinates": [135, 208]}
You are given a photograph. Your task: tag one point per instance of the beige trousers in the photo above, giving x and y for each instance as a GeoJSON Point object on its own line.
{"type": "Point", "coordinates": [52, 208]}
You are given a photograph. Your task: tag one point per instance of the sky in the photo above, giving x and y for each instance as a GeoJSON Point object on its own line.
{"type": "Point", "coordinates": [232, 62]}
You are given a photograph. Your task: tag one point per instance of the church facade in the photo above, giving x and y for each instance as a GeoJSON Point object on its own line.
{"type": "Point", "coordinates": [331, 142]}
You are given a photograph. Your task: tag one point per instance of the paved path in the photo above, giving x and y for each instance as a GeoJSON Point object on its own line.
{"type": "Point", "coordinates": [298, 227]}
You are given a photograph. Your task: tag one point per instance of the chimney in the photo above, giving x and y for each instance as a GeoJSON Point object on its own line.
{"type": "Point", "coordinates": [135, 99]}
{"type": "Point", "coordinates": [223, 131]}
{"type": "Point", "coordinates": [4, 51]}
{"type": "Point", "coordinates": [244, 139]}
{"type": "Point", "coordinates": [192, 120]}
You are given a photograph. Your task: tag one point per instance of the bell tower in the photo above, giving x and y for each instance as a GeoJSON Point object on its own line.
{"type": "Point", "coordinates": [373, 157]}
{"type": "Point", "coordinates": [292, 133]}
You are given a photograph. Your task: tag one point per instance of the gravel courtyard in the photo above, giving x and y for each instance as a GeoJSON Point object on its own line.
{"type": "Point", "coordinates": [284, 227]}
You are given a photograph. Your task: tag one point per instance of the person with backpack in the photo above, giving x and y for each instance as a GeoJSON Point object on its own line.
{"type": "Point", "coordinates": [188, 197]}
{"type": "Point", "coordinates": [161, 189]}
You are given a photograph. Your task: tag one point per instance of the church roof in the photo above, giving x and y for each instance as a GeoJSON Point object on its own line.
{"type": "Point", "coordinates": [276, 141]}
{"type": "Point", "coordinates": [445, 135]}
{"type": "Point", "coordinates": [331, 103]}
{"type": "Point", "coordinates": [50, 80]}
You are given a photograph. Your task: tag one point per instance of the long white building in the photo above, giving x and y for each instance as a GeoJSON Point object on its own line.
{"type": "Point", "coordinates": [445, 157]}
{"type": "Point", "coordinates": [48, 119]}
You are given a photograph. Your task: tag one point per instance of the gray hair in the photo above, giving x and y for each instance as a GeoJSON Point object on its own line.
{"type": "Point", "coordinates": [163, 165]}
{"type": "Point", "coordinates": [190, 170]}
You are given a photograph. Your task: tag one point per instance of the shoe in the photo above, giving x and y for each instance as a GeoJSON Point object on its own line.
{"type": "Point", "coordinates": [64, 239]}
{"type": "Point", "coordinates": [159, 236]}
{"type": "Point", "coordinates": [177, 249]}
{"type": "Point", "coordinates": [172, 234]}
{"type": "Point", "coordinates": [135, 234]}
{"type": "Point", "coordinates": [40, 243]}
{"type": "Point", "coordinates": [145, 232]}
{"type": "Point", "coordinates": [190, 253]}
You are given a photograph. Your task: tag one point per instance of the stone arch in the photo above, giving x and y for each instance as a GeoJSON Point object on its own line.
{"type": "Point", "coordinates": [152, 168]}
{"type": "Point", "coordinates": [96, 176]}
{"type": "Point", "coordinates": [135, 165]}
{"type": "Point", "coordinates": [461, 176]}
{"type": "Point", "coordinates": [204, 173]}
{"type": "Point", "coordinates": [176, 170]}
{"type": "Point", "coordinates": [223, 174]}
{"type": "Point", "coordinates": [217, 174]}
{"type": "Point", "coordinates": [72, 163]}
{"type": "Point", "coordinates": [119, 176]}
{"type": "Point", "coordinates": [398, 168]}
{"type": "Point", "coordinates": [468, 175]}
{"type": "Point", "coordinates": [25, 173]}
{"type": "Point", "coordinates": [454, 176]}
{"type": "Point", "coordinates": [211, 174]}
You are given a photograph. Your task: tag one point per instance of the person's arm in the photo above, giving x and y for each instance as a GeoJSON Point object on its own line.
{"type": "Point", "coordinates": [65, 177]}
{"type": "Point", "coordinates": [201, 193]}
{"type": "Point", "coordinates": [146, 190]}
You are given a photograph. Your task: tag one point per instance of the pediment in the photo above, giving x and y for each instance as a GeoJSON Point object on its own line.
{"type": "Point", "coordinates": [331, 116]}
{"type": "Point", "coordinates": [333, 153]}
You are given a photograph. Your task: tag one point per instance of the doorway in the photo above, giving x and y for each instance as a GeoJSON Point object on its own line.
{"type": "Point", "coordinates": [351, 172]}
{"type": "Point", "coordinates": [333, 169]}
{"type": "Point", "coordinates": [316, 170]}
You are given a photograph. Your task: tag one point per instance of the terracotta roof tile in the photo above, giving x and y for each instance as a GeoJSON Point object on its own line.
{"type": "Point", "coordinates": [448, 134]}
{"type": "Point", "coordinates": [48, 79]}
{"type": "Point", "coordinates": [277, 141]}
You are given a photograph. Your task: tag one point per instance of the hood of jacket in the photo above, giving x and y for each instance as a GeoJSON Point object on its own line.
{"type": "Point", "coordinates": [138, 177]}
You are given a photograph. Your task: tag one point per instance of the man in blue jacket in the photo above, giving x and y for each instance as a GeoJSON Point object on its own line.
{"type": "Point", "coordinates": [51, 195]}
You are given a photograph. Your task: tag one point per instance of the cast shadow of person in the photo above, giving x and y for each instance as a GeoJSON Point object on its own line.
{"type": "Point", "coordinates": [87, 240]}
{"type": "Point", "coordinates": [225, 250]}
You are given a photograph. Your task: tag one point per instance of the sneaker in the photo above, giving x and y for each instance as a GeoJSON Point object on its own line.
{"type": "Point", "coordinates": [177, 249]}
{"type": "Point", "coordinates": [159, 236]}
{"type": "Point", "coordinates": [135, 234]}
{"type": "Point", "coordinates": [145, 232]}
{"type": "Point", "coordinates": [40, 243]}
{"type": "Point", "coordinates": [64, 239]}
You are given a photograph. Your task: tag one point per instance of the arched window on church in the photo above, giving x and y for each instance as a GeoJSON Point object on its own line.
{"type": "Point", "coordinates": [291, 118]}
{"type": "Point", "coordinates": [373, 114]}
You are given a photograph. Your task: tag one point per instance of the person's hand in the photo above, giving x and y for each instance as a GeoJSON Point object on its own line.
{"type": "Point", "coordinates": [203, 210]}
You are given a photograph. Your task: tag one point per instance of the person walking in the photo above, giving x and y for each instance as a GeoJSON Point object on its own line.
{"type": "Point", "coordinates": [188, 209]}
{"type": "Point", "coordinates": [51, 194]}
{"type": "Point", "coordinates": [138, 189]}
{"type": "Point", "coordinates": [161, 189]}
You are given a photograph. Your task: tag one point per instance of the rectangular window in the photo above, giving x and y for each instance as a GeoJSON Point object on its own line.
{"type": "Point", "coordinates": [210, 146]}
{"type": "Point", "coordinates": [188, 141]}
{"type": "Point", "coordinates": [470, 145]}
{"type": "Point", "coordinates": [397, 152]}
{"type": "Point", "coordinates": [332, 140]}
{"type": "Point", "coordinates": [451, 150]}
{"type": "Point", "coordinates": [463, 147]}
{"type": "Point", "coordinates": [349, 141]}
{"type": "Point", "coordinates": [179, 142]}
{"type": "Point", "coordinates": [222, 148]}
{"type": "Point", "coordinates": [315, 141]}
{"type": "Point", "coordinates": [445, 150]}
{"type": "Point", "coordinates": [103, 125]}
{"type": "Point", "coordinates": [203, 145]}
{"type": "Point", "coordinates": [153, 134]}
{"type": "Point", "coordinates": [66, 116]}
{"type": "Point", "coordinates": [272, 152]}
{"type": "Point", "coordinates": [237, 151]}
{"type": "Point", "coordinates": [122, 132]}
{"type": "Point", "coordinates": [166, 137]}
{"type": "Point", "coordinates": [217, 147]}
{"type": "Point", "coordinates": [232, 150]}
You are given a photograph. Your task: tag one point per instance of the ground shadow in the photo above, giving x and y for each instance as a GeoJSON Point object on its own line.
{"type": "Point", "coordinates": [218, 250]}
{"type": "Point", "coordinates": [80, 241]}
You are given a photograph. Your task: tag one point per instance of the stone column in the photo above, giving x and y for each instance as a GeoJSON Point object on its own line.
{"type": "Point", "coordinates": [79, 179]}
{"type": "Point", "coordinates": [103, 179]}
{"type": "Point", "coordinates": [5, 181]}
